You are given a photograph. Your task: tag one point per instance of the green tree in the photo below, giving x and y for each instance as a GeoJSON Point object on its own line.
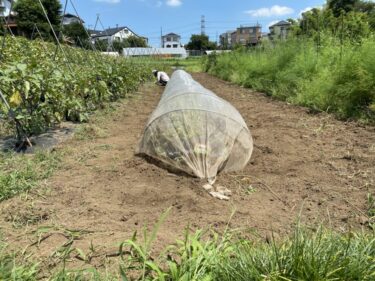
{"type": "Point", "coordinates": [101, 45]}
{"type": "Point", "coordinates": [369, 9]}
{"type": "Point", "coordinates": [200, 42]}
{"type": "Point", "coordinates": [337, 6]}
{"type": "Point", "coordinates": [77, 33]}
{"type": "Point", "coordinates": [130, 42]}
{"type": "Point", "coordinates": [135, 41]}
{"type": "Point", "coordinates": [29, 13]}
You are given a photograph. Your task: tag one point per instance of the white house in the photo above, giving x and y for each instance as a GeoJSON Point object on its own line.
{"type": "Point", "coordinates": [5, 7]}
{"type": "Point", "coordinates": [280, 30]}
{"type": "Point", "coordinates": [171, 40]}
{"type": "Point", "coordinates": [111, 35]}
{"type": "Point", "coordinates": [69, 18]}
{"type": "Point", "coordinates": [226, 39]}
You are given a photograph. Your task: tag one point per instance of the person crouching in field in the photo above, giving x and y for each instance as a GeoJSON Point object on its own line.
{"type": "Point", "coordinates": [162, 77]}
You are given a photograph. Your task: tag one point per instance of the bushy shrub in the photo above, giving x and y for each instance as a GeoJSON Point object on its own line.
{"type": "Point", "coordinates": [333, 76]}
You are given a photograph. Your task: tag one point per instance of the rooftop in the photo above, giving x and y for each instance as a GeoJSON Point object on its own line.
{"type": "Point", "coordinates": [171, 34]}
{"type": "Point", "coordinates": [281, 23]}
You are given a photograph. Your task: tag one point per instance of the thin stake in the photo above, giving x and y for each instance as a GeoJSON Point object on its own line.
{"type": "Point", "coordinates": [80, 20]}
{"type": "Point", "coordinates": [54, 34]}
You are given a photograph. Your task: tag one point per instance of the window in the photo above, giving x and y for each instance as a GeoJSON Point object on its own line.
{"type": "Point", "coordinates": [175, 46]}
{"type": "Point", "coordinates": [169, 39]}
{"type": "Point", "coordinates": [168, 46]}
{"type": "Point", "coordinates": [126, 31]}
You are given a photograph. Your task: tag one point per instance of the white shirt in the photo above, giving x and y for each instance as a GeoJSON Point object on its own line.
{"type": "Point", "coordinates": [162, 76]}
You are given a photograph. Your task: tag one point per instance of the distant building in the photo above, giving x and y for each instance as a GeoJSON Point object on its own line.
{"type": "Point", "coordinates": [280, 30]}
{"type": "Point", "coordinates": [171, 40]}
{"type": "Point", "coordinates": [155, 52]}
{"type": "Point", "coordinates": [9, 18]}
{"type": "Point", "coordinates": [69, 18]}
{"type": "Point", "coordinates": [226, 39]}
{"type": "Point", "coordinates": [117, 34]}
{"type": "Point", "coordinates": [246, 35]}
{"type": "Point", "coordinates": [5, 7]}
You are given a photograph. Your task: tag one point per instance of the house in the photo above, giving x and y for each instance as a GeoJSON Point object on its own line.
{"type": "Point", "coordinates": [226, 39]}
{"type": "Point", "coordinates": [69, 18]}
{"type": "Point", "coordinates": [246, 35]}
{"type": "Point", "coordinates": [8, 17]}
{"type": "Point", "coordinates": [5, 7]}
{"type": "Point", "coordinates": [117, 34]}
{"type": "Point", "coordinates": [280, 30]}
{"type": "Point", "coordinates": [171, 40]}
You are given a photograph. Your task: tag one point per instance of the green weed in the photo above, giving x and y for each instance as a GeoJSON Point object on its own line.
{"type": "Point", "coordinates": [205, 255]}
{"type": "Point", "coordinates": [337, 78]}
{"type": "Point", "coordinates": [19, 173]}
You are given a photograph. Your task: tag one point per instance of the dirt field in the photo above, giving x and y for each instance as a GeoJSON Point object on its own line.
{"type": "Point", "coordinates": [302, 163]}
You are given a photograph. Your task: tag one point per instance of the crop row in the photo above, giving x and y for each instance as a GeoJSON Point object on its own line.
{"type": "Point", "coordinates": [45, 85]}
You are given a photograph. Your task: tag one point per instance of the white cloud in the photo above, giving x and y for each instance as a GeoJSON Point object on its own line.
{"type": "Point", "coordinates": [109, 1]}
{"type": "Point", "coordinates": [174, 3]}
{"type": "Point", "coordinates": [275, 10]}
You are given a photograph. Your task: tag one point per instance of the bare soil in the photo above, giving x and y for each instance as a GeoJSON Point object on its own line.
{"type": "Point", "coordinates": [307, 165]}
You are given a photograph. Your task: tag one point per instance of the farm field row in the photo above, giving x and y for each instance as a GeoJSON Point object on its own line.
{"type": "Point", "coordinates": [309, 166]}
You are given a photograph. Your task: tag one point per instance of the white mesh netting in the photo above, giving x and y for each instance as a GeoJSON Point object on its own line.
{"type": "Point", "coordinates": [196, 131]}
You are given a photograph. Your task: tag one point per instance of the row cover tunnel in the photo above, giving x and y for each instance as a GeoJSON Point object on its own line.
{"type": "Point", "coordinates": [195, 131]}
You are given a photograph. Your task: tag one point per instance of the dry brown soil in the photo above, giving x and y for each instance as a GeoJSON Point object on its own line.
{"type": "Point", "coordinates": [302, 163]}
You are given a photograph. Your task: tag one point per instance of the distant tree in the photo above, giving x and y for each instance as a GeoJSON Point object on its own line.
{"type": "Point", "coordinates": [134, 41]}
{"type": "Point", "coordinates": [130, 42]}
{"type": "Point", "coordinates": [351, 25]}
{"type": "Point", "coordinates": [76, 32]}
{"type": "Point", "coordinates": [29, 12]}
{"type": "Point", "coordinates": [337, 6]}
{"type": "Point", "coordinates": [101, 45]}
{"type": "Point", "coordinates": [200, 42]}
{"type": "Point", "coordinates": [368, 8]}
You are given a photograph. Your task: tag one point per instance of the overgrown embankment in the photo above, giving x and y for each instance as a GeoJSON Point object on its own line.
{"type": "Point", "coordinates": [334, 76]}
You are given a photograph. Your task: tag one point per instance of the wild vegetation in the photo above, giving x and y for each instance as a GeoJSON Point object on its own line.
{"type": "Point", "coordinates": [336, 78]}
{"type": "Point", "coordinates": [327, 63]}
{"type": "Point", "coordinates": [305, 255]}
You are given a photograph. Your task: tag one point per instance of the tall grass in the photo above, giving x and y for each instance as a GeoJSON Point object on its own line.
{"type": "Point", "coordinates": [337, 77]}
{"type": "Point", "coordinates": [306, 255]}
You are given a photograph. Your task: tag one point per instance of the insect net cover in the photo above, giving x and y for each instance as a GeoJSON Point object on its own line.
{"type": "Point", "coordinates": [196, 131]}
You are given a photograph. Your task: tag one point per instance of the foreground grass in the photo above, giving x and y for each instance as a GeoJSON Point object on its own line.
{"type": "Point", "coordinates": [306, 255]}
{"type": "Point", "coordinates": [335, 76]}
{"type": "Point", "coordinates": [19, 173]}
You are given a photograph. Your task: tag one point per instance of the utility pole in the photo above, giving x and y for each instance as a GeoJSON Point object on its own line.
{"type": "Point", "coordinates": [161, 37]}
{"type": "Point", "coordinates": [203, 25]}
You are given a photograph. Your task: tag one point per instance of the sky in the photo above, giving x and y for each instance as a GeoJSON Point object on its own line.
{"type": "Point", "coordinates": [149, 17]}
